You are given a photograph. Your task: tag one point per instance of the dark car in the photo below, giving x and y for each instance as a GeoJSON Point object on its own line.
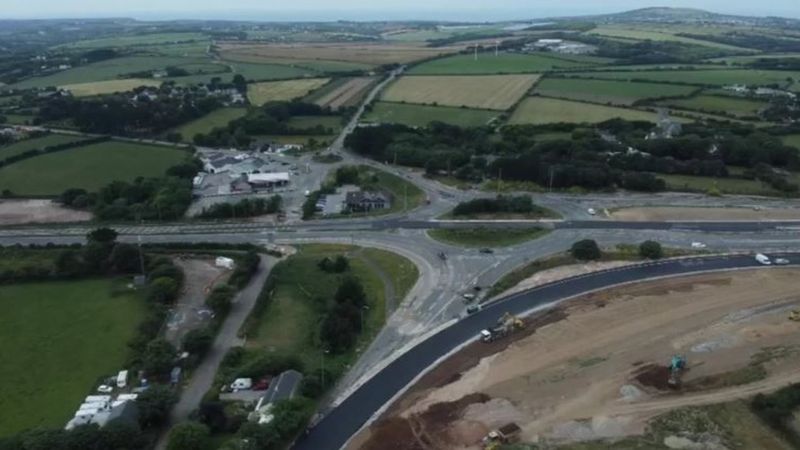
{"type": "Point", "coordinates": [486, 250]}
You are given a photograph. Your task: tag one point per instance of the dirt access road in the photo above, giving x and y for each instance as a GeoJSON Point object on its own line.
{"type": "Point", "coordinates": [595, 368]}
{"type": "Point", "coordinates": [190, 310]}
{"type": "Point", "coordinates": [665, 213]}
{"type": "Point", "coordinates": [15, 212]}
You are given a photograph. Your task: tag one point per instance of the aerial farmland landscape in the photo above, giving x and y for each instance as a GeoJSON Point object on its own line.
{"type": "Point", "coordinates": [444, 225]}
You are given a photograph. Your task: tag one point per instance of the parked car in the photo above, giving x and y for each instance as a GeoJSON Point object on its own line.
{"type": "Point", "coordinates": [763, 259]}
{"type": "Point", "coordinates": [591, 211]}
{"type": "Point", "coordinates": [262, 384]}
{"type": "Point", "coordinates": [486, 250]}
{"type": "Point", "coordinates": [472, 309]}
{"type": "Point", "coordinates": [468, 297]}
{"type": "Point", "coordinates": [242, 384]}
{"type": "Point", "coordinates": [781, 261]}
{"type": "Point", "coordinates": [698, 245]}
{"type": "Point", "coordinates": [105, 389]}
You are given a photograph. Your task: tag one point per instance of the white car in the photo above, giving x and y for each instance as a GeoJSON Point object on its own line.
{"type": "Point", "coordinates": [468, 297]}
{"type": "Point", "coordinates": [698, 245]}
{"type": "Point", "coordinates": [763, 259]}
{"type": "Point", "coordinates": [105, 389]}
{"type": "Point", "coordinates": [591, 211]}
{"type": "Point", "coordinates": [781, 261]}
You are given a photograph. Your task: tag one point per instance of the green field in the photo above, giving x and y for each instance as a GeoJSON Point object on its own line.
{"type": "Point", "coordinates": [217, 118]}
{"type": "Point", "coordinates": [641, 35]}
{"type": "Point", "coordinates": [792, 139]}
{"type": "Point", "coordinates": [115, 68]}
{"type": "Point", "coordinates": [541, 110]}
{"type": "Point", "coordinates": [485, 237]}
{"type": "Point", "coordinates": [290, 323]}
{"type": "Point", "coordinates": [487, 63]}
{"type": "Point", "coordinates": [90, 167]}
{"type": "Point", "coordinates": [422, 115]}
{"type": "Point", "coordinates": [741, 107]}
{"type": "Point", "coordinates": [139, 39]}
{"type": "Point", "coordinates": [57, 339]}
{"type": "Point", "coordinates": [16, 148]}
{"type": "Point", "coordinates": [699, 77]}
{"type": "Point", "coordinates": [605, 91]}
{"type": "Point", "coordinates": [269, 91]}
{"type": "Point", "coordinates": [108, 87]}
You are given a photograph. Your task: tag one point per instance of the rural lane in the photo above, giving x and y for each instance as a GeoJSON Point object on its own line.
{"type": "Point", "coordinates": [203, 377]}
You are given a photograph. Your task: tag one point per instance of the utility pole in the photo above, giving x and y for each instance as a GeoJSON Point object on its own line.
{"type": "Point", "coordinates": [551, 179]}
{"type": "Point", "coordinates": [499, 179]}
{"type": "Point", "coordinates": [141, 256]}
{"type": "Point", "coordinates": [476, 52]}
{"type": "Point", "coordinates": [405, 197]}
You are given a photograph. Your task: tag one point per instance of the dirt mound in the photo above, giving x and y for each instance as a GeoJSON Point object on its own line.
{"type": "Point", "coordinates": [395, 430]}
{"type": "Point", "coordinates": [654, 375]}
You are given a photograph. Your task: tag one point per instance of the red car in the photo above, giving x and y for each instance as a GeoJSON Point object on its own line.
{"type": "Point", "coordinates": [262, 384]}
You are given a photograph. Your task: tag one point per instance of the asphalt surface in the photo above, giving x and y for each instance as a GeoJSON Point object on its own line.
{"type": "Point", "coordinates": [336, 428]}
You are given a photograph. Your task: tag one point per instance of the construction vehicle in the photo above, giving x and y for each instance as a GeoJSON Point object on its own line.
{"type": "Point", "coordinates": [503, 435]}
{"type": "Point", "coordinates": [676, 368]}
{"type": "Point", "coordinates": [505, 325]}
{"type": "Point", "coordinates": [795, 315]}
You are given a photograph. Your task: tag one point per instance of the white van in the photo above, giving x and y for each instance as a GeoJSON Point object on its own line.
{"type": "Point", "coordinates": [241, 384]}
{"type": "Point", "coordinates": [763, 259]}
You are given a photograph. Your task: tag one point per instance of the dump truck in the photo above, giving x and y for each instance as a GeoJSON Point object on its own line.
{"type": "Point", "coordinates": [504, 435]}
{"type": "Point", "coordinates": [505, 325]}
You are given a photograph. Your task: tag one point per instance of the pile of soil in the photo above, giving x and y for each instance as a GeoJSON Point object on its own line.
{"type": "Point", "coordinates": [655, 376]}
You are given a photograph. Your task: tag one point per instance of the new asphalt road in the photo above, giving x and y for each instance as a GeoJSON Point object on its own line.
{"type": "Point", "coordinates": [336, 428]}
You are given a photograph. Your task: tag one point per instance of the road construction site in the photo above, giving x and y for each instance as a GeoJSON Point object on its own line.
{"type": "Point", "coordinates": [598, 366]}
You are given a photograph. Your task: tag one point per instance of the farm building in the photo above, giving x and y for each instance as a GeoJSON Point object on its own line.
{"type": "Point", "coordinates": [284, 387]}
{"type": "Point", "coordinates": [362, 201]}
{"type": "Point", "coordinates": [268, 180]}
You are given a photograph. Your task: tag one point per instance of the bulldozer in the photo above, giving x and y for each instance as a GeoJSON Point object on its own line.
{"type": "Point", "coordinates": [676, 367]}
{"type": "Point", "coordinates": [795, 315]}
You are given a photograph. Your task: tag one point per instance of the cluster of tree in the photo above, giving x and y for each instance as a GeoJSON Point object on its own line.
{"type": "Point", "coordinates": [462, 37]}
{"type": "Point", "coordinates": [246, 266]}
{"type": "Point", "coordinates": [244, 208]}
{"type": "Point", "coordinates": [342, 324]}
{"type": "Point", "coordinates": [790, 63]}
{"type": "Point", "coordinates": [118, 115]}
{"type": "Point", "coordinates": [520, 204]}
{"type": "Point", "coordinates": [271, 119]}
{"type": "Point", "coordinates": [772, 44]}
{"type": "Point", "coordinates": [782, 110]}
{"type": "Point", "coordinates": [340, 264]}
{"type": "Point", "coordinates": [587, 160]}
{"type": "Point", "coordinates": [651, 250]}
{"type": "Point", "coordinates": [49, 149]}
{"type": "Point", "coordinates": [165, 198]}
{"type": "Point", "coordinates": [116, 435]}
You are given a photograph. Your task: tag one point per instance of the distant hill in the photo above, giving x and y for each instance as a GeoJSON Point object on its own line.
{"type": "Point", "coordinates": [686, 15]}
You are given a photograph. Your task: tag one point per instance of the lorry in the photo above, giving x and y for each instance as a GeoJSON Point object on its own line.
{"type": "Point", "coordinates": [504, 326]}
{"type": "Point", "coordinates": [763, 259]}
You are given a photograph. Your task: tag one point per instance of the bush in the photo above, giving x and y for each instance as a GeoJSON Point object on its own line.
{"type": "Point", "coordinates": [189, 436]}
{"type": "Point", "coordinates": [220, 300]}
{"type": "Point", "coordinates": [154, 405]}
{"type": "Point", "coordinates": [125, 258]}
{"type": "Point", "coordinates": [651, 250]}
{"type": "Point", "coordinates": [158, 358]}
{"type": "Point", "coordinates": [246, 267]}
{"type": "Point", "coordinates": [162, 290]}
{"type": "Point", "coordinates": [198, 341]}
{"type": "Point", "coordinates": [338, 265]}
{"type": "Point", "coordinates": [586, 250]}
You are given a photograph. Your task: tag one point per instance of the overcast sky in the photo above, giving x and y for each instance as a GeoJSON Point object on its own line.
{"type": "Point", "coordinates": [472, 10]}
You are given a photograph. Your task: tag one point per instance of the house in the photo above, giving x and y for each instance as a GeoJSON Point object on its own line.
{"type": "Point", "coordinates": [366, 201]}
{"type": "Point", "coordinates": [284, 387]}
{"type": "Point", "coordinates": [268, 180]}
{"type": "Point", "coordinates": [666, 127]}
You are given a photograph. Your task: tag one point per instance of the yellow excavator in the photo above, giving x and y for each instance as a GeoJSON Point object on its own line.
{"type": "Point", "coordinates": [795, 315]}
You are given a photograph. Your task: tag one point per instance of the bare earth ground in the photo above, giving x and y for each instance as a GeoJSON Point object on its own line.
{"type": "Point", "coordinates": [190, 311]}
{"type": "Point", "coordinates": [594, 368]}
{"type": "Point", "coordinates": [648, 214]}
{"type": "Point", "coordinates": [14, 212]}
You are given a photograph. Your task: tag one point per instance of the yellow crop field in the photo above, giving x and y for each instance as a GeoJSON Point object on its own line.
{"type": "Point", "coordinates": [260, 93]}
{"type": "Point", "coordinates": [497, 92]}
{"type": "Point", "coordinates": [542, 110]}
{"type": "Point", "coordinates": [107, 87]}
{"type": "Point", "coordinates": [369, 54]}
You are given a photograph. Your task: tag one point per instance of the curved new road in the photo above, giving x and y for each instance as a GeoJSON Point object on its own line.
{"type": "Point", "coordinates": [336, 428]}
